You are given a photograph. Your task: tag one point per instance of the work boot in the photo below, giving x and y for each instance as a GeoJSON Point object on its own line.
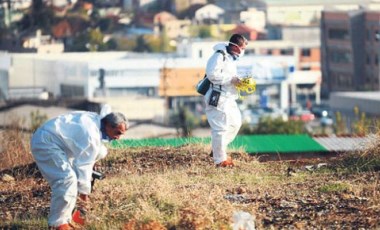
{"type": "Point", "coordinates": [226, 163]}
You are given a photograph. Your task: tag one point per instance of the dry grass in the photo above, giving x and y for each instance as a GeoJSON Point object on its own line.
{"type": "Point", "coordinates": [14, 146]}
{"type": "Point", "coordinates": [179, 188]}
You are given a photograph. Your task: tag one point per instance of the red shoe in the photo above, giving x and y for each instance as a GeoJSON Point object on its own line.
{"type": "Point", "coordinates": [78, 217]}
{"type": "Point", "coordinates": [226, 163]}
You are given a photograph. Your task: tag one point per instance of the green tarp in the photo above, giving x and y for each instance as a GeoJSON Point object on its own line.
{"type": "Point", "coordinates": [248, 143]}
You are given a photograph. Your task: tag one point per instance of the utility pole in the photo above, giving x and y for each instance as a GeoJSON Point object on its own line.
{"type": "Point", "coordinates": [102, 82]}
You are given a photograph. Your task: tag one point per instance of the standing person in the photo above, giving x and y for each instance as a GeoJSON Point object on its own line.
{"type": "Point", "coordinates": [222, 112]}
{"type": "Point", "coordinates": [65, 149]}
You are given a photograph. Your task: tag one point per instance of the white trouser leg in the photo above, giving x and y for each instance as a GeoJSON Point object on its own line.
{"type": "Point", "coordinates": [218, 123]}
{"type": "Point", "coordinates": [56, 169]}
{"type": "Point", "coordinates": [233, 122]}
{"type": "Point", "coordinates": [225, 124]}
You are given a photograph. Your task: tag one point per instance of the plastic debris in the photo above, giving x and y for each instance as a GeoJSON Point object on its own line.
{"type": "Point", "coordinates": [243, 221]}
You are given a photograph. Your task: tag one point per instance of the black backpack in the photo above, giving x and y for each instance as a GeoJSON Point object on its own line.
{"type": "Point", "coordinates": [204, 84]}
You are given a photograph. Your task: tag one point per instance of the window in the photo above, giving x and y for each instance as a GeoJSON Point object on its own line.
{"type": "Point", "coordinates": [250, 51]}
{"type": "Point", "coordinates": [368, 60]}
{"type": "Point", "coordinates": [305, 52]}
{"type": "Point", "coordinates": [286, 51]}
{"type": "Point", "coordinates": [368, 38]}
{"type": "Point", "coordinates": [343, 80]}
{"type": "Point", "coordinates": [377, 35]}
{"type": "Point", "coordinates": [340, 34]}
{"type": "Point", "coordinates": [341, 56]}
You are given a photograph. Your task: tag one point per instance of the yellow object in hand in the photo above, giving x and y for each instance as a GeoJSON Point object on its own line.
{"type": "Point", "coordinates": [246, 85]}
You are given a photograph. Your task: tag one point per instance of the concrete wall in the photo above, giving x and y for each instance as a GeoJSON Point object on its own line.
{"type": "Point", "coordinates": [367, 102]}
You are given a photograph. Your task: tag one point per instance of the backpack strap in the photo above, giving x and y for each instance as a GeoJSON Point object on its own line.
{"type": "Point", "coordinates": [224, 58]}
{"type": "Point", "coordinates": [223, 53]}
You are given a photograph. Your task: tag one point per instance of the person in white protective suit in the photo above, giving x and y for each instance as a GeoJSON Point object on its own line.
{"type": "Point", "coordinates": [65, 149]}
{"type": "Point", "coordinates": [222, 111]}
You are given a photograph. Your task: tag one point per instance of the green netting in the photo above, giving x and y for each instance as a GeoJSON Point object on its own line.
{"type": "Point", "coordinates": [156, 142]}
{"type": "Point", "coordinates": [247, 143]}
{"type": "Point", "coordinates": [277, 144]}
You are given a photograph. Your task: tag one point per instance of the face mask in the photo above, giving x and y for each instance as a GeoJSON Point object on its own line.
{"type": "Point", "coordinates": [241, 53]}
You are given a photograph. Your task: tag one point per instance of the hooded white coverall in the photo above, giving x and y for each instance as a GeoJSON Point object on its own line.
{"type": "Point", "coordinates": [225, 119]}
{"type": "Point", "coordinates": [65, 150]}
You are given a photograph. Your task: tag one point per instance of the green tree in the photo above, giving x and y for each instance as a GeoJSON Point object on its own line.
{"type": "Point", "coordinates": [184, 121]}
{"type": "Point", "coordinates": [90, 40]}
{"type": "Point", "coordinates": [268, 125]}
{"type": "Point", "coordinates": [39, 16]}
{"type": "Point", "coordinates": [142, 45]}
{"type": "Point", "coordinates": [204, 32]}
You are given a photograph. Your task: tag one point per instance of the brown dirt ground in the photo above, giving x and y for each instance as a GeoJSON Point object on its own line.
{"type": "Point", "coordinates": [283, 207]}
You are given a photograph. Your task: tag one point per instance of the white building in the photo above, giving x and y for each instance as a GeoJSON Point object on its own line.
{"type": "Point", "coordinates": [345, 102]}
{"type": "Point", "coordinates": [43, 43]}
{"type": "Point", "coordinates": [78, 74]}
{"type": "Point", "coordinates": [4, 75]}
{"type": "Point", "coordinates": [208, 12]}
{"type": "Point", "coordinates": [298, 14]}
{"type": "Point", "coordinates": [254, 19]}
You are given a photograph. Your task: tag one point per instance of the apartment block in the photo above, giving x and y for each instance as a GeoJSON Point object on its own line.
{"type": "Point", "coordinates": [372, 50]}
{"type": "Point", "coordinates": [350, 50]}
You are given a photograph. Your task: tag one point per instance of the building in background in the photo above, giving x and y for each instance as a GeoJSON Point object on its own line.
{"type": "Point", "coordinates": [350, 50]}
{"type": "Point", "coordinates": [4, 76]}
{"type": "Point", "coordinates": [372, 50]}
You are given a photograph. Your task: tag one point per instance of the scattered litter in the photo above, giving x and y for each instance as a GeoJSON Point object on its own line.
{"type": "Point", "coordinates": [7, 178]}
{"type": "Point", "coordinates": [315, 167]}
{"type": "Point", "coordinates": [290, 172]}
{"type": "Point", "coordinates": [243, 221]}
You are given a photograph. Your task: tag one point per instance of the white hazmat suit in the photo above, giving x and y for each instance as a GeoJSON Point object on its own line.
{"type": "Point", "coordinates": [65, 150]}
{"type": "Point", "coordinates": [225, 118]}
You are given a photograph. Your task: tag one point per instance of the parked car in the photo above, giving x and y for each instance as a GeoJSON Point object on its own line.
{"type": "Point", "coordinates": [252, 116]}
{"type": "Point", "coordinates": [303, 115]}
{"type": "Point", "coordinates": [324, 114]}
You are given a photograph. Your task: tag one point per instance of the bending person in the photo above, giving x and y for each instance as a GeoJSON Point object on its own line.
{"type": "Point", "coordinates": [65, 149]}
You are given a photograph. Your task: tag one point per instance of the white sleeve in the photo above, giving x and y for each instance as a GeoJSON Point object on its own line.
{"type": "Point", "coordinates": [215, 70]}
{"type": "Point", "coordinates": [84, 163]}
{"type": "Point", "coordinates": [88, 147]}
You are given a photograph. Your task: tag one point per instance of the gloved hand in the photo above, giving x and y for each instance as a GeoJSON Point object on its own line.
{"type": "Point", "coordinates": [235, 80]}
{"type": "Point", "coordinates": [84, 197]}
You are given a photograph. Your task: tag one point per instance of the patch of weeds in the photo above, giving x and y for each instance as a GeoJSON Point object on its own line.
{"type": "Point", "coordinates": [364, 160]}
{"type": "Point", "coordinates": [163, 206]}
{"type": "Point", "coordinates": [361, 162]}
{"type": "Point", "coordinates": [25, 224]}
{"type": "Point", "coordinates": [334, 187]}
{"type": "Point", "coordinates": [37, 119]}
